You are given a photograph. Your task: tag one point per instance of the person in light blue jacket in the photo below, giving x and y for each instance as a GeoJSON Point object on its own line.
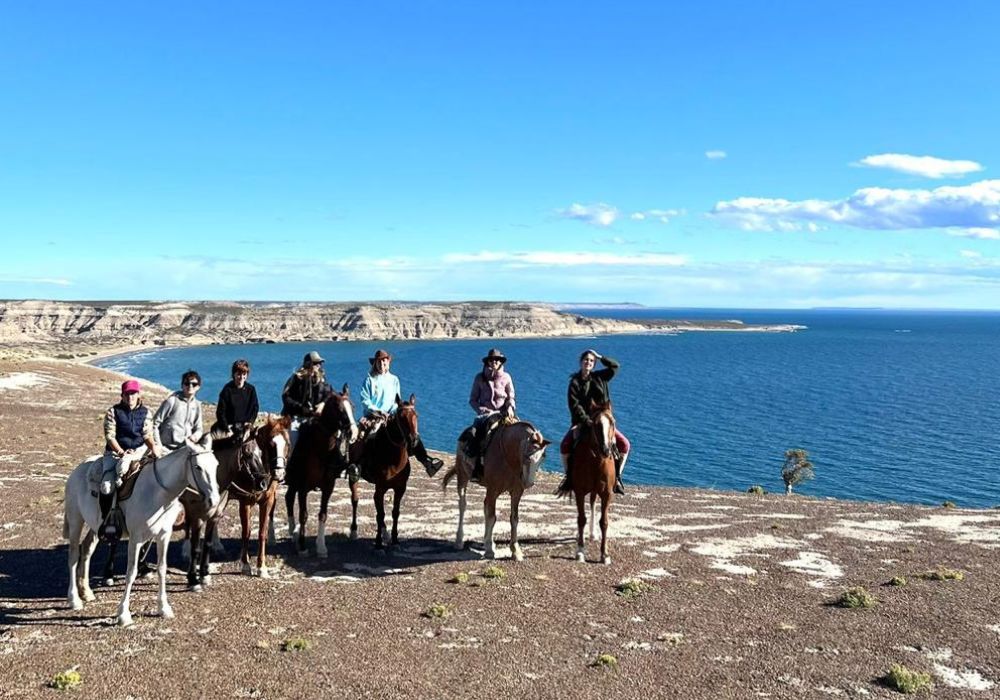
{"type": "Point", "coordinates": [378, 403]}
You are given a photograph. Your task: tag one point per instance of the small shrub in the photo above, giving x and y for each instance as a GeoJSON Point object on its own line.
{"type": "Point", "coordinates": [296, 644]}
{"type": "Point", "coordinates": [943, 575]}
{"type": "Point", "coordinates": [897, 581]}
{"type": "Point", "coordinates": [605, 661]}
{"type": "Point", "coordinates": [906, 681]}
{"type": "Point", "coordinates": [632, 588]}
{"type": "Point", "coordinates": [66, 680]}
{"type": "Point", "coordinates": [460, 577]}
{"type": "Point", "coordinates": [796, 469]}
{"type": "Point", "coordinates": [494, 572]}
{"type": "Point", "coordinates": [438, 611]}
{"type": "Point", "coordinates": [757, 490]}
{"type": "Point", "coordinates": [948, 504]}
{"type": "Point", "coordinates": [856, 597]}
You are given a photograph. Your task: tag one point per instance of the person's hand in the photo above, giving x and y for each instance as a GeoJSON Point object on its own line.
{"type": "Point", "coordinates": [509, 411]}
{"type": "Point", "coordinates": [158, 451]}
{"type": "Point", "coordinates": [319, 408]}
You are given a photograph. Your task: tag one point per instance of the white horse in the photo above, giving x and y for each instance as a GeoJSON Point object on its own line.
{"type": "Point", "coordinates": [150, 513]}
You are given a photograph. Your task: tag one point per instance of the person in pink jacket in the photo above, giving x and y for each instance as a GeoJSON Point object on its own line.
{"type": "Point", "coordinates": [492, 398]}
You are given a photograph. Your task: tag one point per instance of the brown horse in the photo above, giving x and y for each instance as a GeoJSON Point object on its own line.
{"type": "Point", "coordinates": [592, 472]}
{"type": "Point", "coordinates": [273, 440]}
{"type": "Point", "coordinates": [320, 455]}
{"type": "Point", "coordinates": [385, 462]}
{"type": "Point", "coordinates": [509, 466]}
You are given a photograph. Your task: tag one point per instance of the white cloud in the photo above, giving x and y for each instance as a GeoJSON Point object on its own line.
{"type": "Point", "coordinates": [599, 214]}
{"type": "Point", "coordinates": [662, 215]}
{"type": "Point", "coordinates": [925, 166]}
{"type": "Point", "coordinates": [715, 155]}
{"type": "Point", "coordinates": [569, 259]}
{"type": "Point", "coordinates": [57, 281]}
{"type": "Point", "coordinates": [973, 209]}
{"type": "Point", "coordinates": [976, 232]}
{"type": "Point", "coordinates": [970, 254]}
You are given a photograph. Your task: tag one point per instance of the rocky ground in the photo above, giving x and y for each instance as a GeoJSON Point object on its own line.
{"type": "Point", "coordinates": [736, 603]}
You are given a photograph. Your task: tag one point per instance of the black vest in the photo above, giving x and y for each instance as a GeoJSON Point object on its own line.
{"type": "Point", "coordinates": [128, 426]}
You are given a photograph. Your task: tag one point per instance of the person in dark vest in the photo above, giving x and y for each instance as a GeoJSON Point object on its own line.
{"type": "Point", "coordinates": [305, 393]}
{"type": "Point", "coordinates": [492, 398]}
{"type": "Point", "coordinates": [238, 406]}
{"type": "Point", "coordinates": [128, 433]}
{"type": "Point", "coordinates": [588, 386]}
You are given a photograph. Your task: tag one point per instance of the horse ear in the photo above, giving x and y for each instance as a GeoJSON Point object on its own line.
{"type": "Point", "coordinates": [346, 391]}
{"type": "Point", "coordinates": [206, 442]}
{"type": "Point", "coordinates": [399, 400]}
{"type": "Point", "coordinates": [546, 443]}
{"type": "Point", "coordinates": [413, 400]}
{"type": "Point", "coordinates": [285, 422]}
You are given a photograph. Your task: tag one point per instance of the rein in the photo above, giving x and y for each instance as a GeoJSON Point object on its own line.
{"type": "Point", "coordinates": [402, 433]}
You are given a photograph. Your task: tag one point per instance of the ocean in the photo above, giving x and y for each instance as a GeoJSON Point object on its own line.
{"type": "Point", "coordinates": [891, 405]}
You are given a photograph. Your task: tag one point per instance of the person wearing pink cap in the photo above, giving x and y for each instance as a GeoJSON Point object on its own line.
{"type": "Point", "coordinates": [128, 433]}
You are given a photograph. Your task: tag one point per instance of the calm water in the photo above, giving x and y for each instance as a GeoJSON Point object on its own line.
{"type": "Point", "coordinates": [891, 405]}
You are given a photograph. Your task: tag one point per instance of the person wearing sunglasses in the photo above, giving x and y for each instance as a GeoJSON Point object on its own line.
{"type": "Point", "coordinates": [238, 406]}
{"type": "Point", "coordinates": [179, 417]}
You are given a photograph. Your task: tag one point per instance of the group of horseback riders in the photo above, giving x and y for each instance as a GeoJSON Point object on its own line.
{"type": "Point", "coordinates": [130, 431]}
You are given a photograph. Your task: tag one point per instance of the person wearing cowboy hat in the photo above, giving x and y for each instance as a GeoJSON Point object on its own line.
{"type": "Point", "coordinates": [492, 398]}
{"type": "Point", "coordinates": [305, 392]}
{"type": "Point", "coordinates": [378, 402]}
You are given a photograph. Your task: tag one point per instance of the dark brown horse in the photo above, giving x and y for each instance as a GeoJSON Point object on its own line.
{"type": "Point", "coordinates": [384, 459]}
{"type": "Point", "coordinates": [592, 473]}
{"type": "Point", "coordinates": [320, 455]}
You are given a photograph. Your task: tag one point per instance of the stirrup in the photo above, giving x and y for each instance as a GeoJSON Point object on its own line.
{"type": "Point", "coordinates": [619, 487]}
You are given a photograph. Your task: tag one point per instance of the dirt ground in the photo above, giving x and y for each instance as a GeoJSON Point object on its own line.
{"type": "Point", "coordinates": [737, 604]}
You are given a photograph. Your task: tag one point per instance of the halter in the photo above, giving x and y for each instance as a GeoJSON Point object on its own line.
{"type": "Point", "coordinates": [403, 441]}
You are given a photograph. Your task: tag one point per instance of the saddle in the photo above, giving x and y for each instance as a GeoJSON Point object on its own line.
{"type": "Point", "coordinates": [129, 478]}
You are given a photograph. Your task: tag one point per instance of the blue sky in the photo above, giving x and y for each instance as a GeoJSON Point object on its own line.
{"type": "Point", "coordinates": [782, 154]}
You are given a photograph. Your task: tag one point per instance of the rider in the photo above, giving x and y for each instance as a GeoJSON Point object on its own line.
{"type": "Point", "coordinates": [378, 401]}
{"type": "Point", "coordinates": [238, 406]}
{"type": "Point", "coordinates": [179, 416]}
{"type": "Point", "coordinates": [128, 432]}
{"type": "Point", "coordinates": [305, 393]}
{"type": "Point", "coordinates": [492, 398]}
{"type": "Point", "coordinates": [588, 386]}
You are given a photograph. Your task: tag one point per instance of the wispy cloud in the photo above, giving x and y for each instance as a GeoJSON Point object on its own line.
{"type": "Point", "coordinates": [925, 166]}
{"type": "Point", "coordinates": [715, 155]}
{"type": "Point", "coordinates": [973, 209]}
{"type": "Point", "coordinates": [986, 234]}
{"type": "Point", "coordinates": [57, 281]}
{"type": "Point", "coordinates": [970, 254]}
{"type": "Point", "coordinates": [569, 259]}
{"type": "Point", "coordinates": [599, 214]}
{"type": "Point", "coordinates": [662, 215]}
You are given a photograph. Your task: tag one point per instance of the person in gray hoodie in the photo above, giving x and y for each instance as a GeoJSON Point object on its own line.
{"type": "Point", "coordinates": [179, 417]}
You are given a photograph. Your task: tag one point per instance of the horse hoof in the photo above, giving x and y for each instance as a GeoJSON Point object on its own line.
{"type": "Point", "coordinates": [167, 613]}
{"type": "Point", "coordinates": [125, 620]}
{"type": "Point", "coordinates": [354, 533]}
{"type": "Point", "coordinates": [88, 595]}
{"type": "Point", "coordinates": [109, 581]}
{"type": "Point", "coordinates": [206, 580]}
{"type": "Point", "coordinates": [196, 588]}
{"type": "Point", "coordinates": [263, 572]}
{"type": "Point", "coordinates": [76, 604]}
{"type": "Point", "coordinates": [606, 561]}
{"type": "Point", "coordinates": [518, 555]}
{"type": "Point", "coordinates": [580, 558]}
{"type": "Point", "coordinates": [246, 569]}
{"type": "Point", "coordinates": [490, 554]}
{"type": "Point", "coordinates": [459, 545]}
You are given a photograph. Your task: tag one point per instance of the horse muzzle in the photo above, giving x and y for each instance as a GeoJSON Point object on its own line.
{"type": "Point", "coordinates": [279, 475]}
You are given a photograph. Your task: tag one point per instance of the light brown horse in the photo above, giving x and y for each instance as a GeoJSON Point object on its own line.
{"type": "Point", "coordinates": [509, 466]}
{"type": "Point", "coordinates": [384, 459]}
{"type": "Point", "coordinates": [320, 455]}
{"type": "Point", "coordinates": [274, 442]}
{"type": "Point", "coordinates": [592, 473]}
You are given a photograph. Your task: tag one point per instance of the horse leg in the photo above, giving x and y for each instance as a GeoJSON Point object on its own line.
{"type": "Point", "coordinates": [272, 539]}
{"type": "Point", "coordinates": [108, 573]}
{"type": "Point", "coordinates": [211, 532]}
{"type": "Point", "coordinates": [245, 567]}
{"type": "Point", "coordinates": [462, 488]}
{"type": "Point", "coordinates": [290, 508]}
{"type": "Point", "coordinates": [86, 552]}
{"type": "Point", "coordinates": [74, 528]}
{"type": "Point", "coordinates": [490, 515]}
{"type": "Point", "coordinates": [355, 497]}
{"type": "Point", "coordinates": [214, 542]}
{"type": "Point", "coordinates": [379, 515]}
{"type": "Point", "coordinates": [194, 560]}
{"type": "Point", "coordinates": [515, 548]}
{"type": "Point", "coordinates": [593, 498]}
{"type": "Point", "coordinates": [605, 506]}
{"type": "Point", "coordinates": [264, 509]}
{"type": "Point", "coordinates": [186, 553]}
{"type": "Point", "coordinates": [303, 496]}
{"type": "Point", "coordinates": [581, 520]}
{"type": "Point", "coordinates": [166, 612]}
{"type": "Point", "coordinates": [124, 615]}
{"type": "Point", "coordinates": [397, 502]}
{"type": "Point", "coordinates": [324, 502]}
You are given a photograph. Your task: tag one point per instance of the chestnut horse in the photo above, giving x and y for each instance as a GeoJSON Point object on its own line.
{"type": "Point", "coordinates": [384, 459]}
{"type": "Point", "coordinates": [509, 466]}
{"type": "Point", "coordinates": [319, 456]}
{"type": "Point", "coordinates": [592, 473]}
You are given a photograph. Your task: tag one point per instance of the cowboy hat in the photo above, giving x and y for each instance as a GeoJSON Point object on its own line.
{"type": "Point", "coordinates": [494, 354]}
{"type": "Point", "coordinates": [380, 355]}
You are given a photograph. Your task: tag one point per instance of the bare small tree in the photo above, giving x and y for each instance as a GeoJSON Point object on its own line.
{"type": "Point", "coordinates": [796, 469]}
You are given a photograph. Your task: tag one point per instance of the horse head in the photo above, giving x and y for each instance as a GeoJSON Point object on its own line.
{"type": "Point", "coordinates": [337, 419]}
{"type": "Point", "coordinates": [603, 424]}
{"type": "Point", "coordinates": [202, 471]}
{"type": "Point", "coordinates": [406, 420]}
{"type": "Point", "coordinates": [533, 446]}
{"type": "Point", "coordinates": [250, 461]}
{"type": "Point", "coordinates": [275, 442]}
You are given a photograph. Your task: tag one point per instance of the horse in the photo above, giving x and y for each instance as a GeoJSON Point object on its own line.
{"type": "Point", "coordinates": [317, 460]}
{"type": "Point", "coordinates": [592, 473]}
{"type": "Point", "coordinates": [385, 462]}
{"type": "Point", "coordinates": [149, 513]}
{"type": "Point", "coordinates": [509, 466]}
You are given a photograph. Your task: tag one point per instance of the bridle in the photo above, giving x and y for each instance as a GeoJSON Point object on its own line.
{"type": "Point", "coordinates": [405, 438]}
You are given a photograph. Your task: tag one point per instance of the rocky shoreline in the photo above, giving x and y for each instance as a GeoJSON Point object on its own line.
{"type": "Point", "coordinates": [736, 595]}
{"type": "Point", "coordinates": [69, 330]}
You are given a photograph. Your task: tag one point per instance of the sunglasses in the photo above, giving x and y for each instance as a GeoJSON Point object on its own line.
{"type": "Point", "coordinates": [191, 384]}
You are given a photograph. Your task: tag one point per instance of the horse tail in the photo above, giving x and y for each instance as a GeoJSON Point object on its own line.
{"type": "Point", "coordinates": [448, 477]}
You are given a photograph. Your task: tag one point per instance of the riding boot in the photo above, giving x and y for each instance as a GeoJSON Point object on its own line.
{"type": "Point", "coordinates": [477, 470]}
{"type": "Point", "coordinates": [567, 482]}
{"type": "Point", "coordinates": [107, 532]}
{"type": "Point", "coordinates": [619, 466]}
{"type": "Point", "coordinates": [431, 464]}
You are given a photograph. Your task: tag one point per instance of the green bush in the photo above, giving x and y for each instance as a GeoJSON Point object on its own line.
{"type": "Point", "coordinates": [897, 581]}
{"type": "Point", "coordinates": [605, 661]}
{"type": "Point", "coordinates": [906, 681]}
{"type": "Point", "coordinates": [856, 597]}
{"type": "Point", "coordinates": [943, 575]}
{"type": "Point", "coordinates": [460, 577]}
{"type": "Point", "coordinates": [757, 490]}
{"type": "Point", "coordinates": [66, 680]}
{"type": "Point", "coordinates": [438, 611]}
{"type": "Point", "coordinates": [296, 644]}
{"type": "Point", "coordinates": [632, 588]}
{"type": "Point", "coordinates": [494, 572]}
{"type": "Point", "coordinates": [948, 504]}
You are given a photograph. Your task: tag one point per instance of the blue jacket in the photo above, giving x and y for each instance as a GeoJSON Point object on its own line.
{"type": "Point", "coordinates": [379, 393]}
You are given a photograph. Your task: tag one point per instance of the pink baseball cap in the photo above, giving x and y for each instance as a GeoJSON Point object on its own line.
{"type": "Point", "coordinates": [131, 387]}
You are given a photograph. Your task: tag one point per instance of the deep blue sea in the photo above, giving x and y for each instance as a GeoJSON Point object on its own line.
{"type": "Point", "coordinates": [891, 405]}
